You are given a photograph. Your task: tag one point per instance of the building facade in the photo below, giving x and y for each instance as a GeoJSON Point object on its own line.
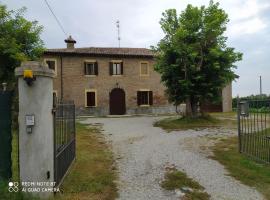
{"type": "Point", "coordinates": [110, 81]}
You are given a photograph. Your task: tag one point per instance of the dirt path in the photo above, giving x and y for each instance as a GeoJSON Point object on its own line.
{"type": "Point", "coordinates": [143, 152]}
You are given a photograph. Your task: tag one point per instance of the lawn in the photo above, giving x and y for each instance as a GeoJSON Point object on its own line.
{"type": "Point", "coordinates": [185, 123]}
{"type": "Point", "coordinates": [92, 176]}
{"type": "Point", "coordinates": [241, 167]}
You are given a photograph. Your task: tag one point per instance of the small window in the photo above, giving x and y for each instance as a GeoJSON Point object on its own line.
{"type": "Point", "coordinates": [90, 68]}
{"type": "Point", "coordinates": [145, 98]}
{"type": "Point", "coordinates": [51, 64]}
{"type": "Point", "coordinates": [116, 68]}
{"type": "Point", "coordinates": [144, 69]}
{"type": "Point", "coordinates": [90, 100]}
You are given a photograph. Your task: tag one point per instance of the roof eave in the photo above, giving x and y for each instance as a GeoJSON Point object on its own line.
{"type": "Point", "coordinates": [96, 54]}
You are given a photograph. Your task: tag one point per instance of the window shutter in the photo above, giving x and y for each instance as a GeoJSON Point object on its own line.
{"type": "Point", "coordinates": [111, 68]}
{"type": "Point", "coordinates": [122, 68]}
{"type": "Point", "coordinates": [150, 98]}
{"type": "Point", "coordinates": [85, 65]}
{"type": "Point", "coordinates": [88, 97]}
{"type": "Point", "coordinates": [96, 68]}
{"type": "Point", "coordinates": [139, 101]}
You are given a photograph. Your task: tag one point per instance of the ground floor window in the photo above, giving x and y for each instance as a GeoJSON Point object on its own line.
{"type": "Point", "coordinates": [144, 98]}
{"type": "Point", "coordinates": [90, 98]}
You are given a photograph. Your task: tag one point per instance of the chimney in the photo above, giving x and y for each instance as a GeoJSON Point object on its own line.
{"type": "Point", "coordinates": [70, 42]}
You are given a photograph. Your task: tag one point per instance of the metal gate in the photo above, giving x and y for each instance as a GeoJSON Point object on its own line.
{"type": "Point", "coordinates": [254, 129]}
{"type": "Point", "coordinates": [64, 138]}
{"type": "Point", "coordinates": [5, 134]}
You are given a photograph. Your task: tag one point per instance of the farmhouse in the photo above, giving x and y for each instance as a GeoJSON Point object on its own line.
{"type": "Point", "coordinates": [114, 81]}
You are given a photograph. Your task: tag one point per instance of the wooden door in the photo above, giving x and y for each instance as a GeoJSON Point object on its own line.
{"type": "Point", "coordinates": [117, 102]}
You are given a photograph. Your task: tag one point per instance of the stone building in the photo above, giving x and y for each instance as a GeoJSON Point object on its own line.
{"type": "Point", "coordinates": [115, 81]}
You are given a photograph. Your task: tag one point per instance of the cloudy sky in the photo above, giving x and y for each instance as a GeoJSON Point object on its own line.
{"type": "Point", "coordinates": [92, 23]}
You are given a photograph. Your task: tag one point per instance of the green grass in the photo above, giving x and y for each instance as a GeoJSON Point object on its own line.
{"type": "Point", "coordinates": [241, 167]}
{"type": "Point", "coordinates": [175, 179]}
{"type": "Point", "coordinates": [212, 120]}
{"type": "Point", "coordinates": [184, 123]}
{"type": "Point", "coordinates": [92, 175]}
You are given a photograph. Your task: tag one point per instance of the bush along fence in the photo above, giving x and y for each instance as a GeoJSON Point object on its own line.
{"type": "Point", "coordinates": [5, 133]}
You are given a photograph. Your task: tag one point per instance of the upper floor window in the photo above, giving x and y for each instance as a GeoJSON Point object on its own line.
{"type": "Point", "coordinates": [116, 68]}
{"type": "Point", "coordinates": [144, 98]}
{"type": "Point", "coordinates": [144, 69]}
{"type": "Point", "coordinates": [91, 68]}
{"type": "Point", "coordinates": [51, 64]}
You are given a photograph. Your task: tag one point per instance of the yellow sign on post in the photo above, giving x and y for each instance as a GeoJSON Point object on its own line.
{"type": "Point", "coordinates": [28, 73]}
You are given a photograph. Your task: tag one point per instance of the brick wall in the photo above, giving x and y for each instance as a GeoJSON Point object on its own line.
{"type": "Point", "coordinates": [75, 83]}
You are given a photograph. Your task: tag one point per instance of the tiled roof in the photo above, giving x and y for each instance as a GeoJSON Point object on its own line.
{"type": "Point", "coordinates": [103, 51]}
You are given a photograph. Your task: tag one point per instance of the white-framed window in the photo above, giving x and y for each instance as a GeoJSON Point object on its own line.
{"type": "Point", "coordinates": [144, 69]}
{"type": "Point", "coordinates": [116, 67]}
{"type": "Point", "coordinates": [90, 98]}
{"type": "Point", "coordinates": [52, 64]}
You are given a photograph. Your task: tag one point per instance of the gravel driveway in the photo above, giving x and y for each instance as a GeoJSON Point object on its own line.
{"type": "Point", "coordinates": [143, 152]}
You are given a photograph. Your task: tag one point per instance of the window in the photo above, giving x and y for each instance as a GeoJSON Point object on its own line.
{"type": "Point", "coordinates": [90, 98]}
{"type": "Point", "coordinates": [144, 98]}
{"type": "Point", "coordinates": [51, 64]}
{"type": "Point", "coordinates": [144, 69]}
{"type": "Point", "coordinates": [116, 68]}
{"type": "Point", "coordinates": [90, 68]}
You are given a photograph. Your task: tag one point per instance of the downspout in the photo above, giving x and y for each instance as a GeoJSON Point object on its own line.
{"type": "Point", "coordinates": [61, 80]}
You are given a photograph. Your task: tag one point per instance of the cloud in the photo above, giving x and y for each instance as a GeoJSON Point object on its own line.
{"type": "Point", "coordinates": [247, 17]}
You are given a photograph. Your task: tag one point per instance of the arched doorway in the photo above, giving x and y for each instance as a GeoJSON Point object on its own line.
{"type": "Point", "coordinates": [117, 102]}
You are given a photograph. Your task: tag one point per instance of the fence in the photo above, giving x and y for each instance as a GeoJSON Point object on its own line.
{"type": "Point", "coordinates": [254, 129]}
{"type": "Point", "coordinates": [64, 138]}
{"type": "Point", "coordinates": [5, 134]}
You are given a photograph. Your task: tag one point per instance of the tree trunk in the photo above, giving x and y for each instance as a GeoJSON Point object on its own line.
{"type": "Point", "coordinates": [191, 108]}
{"type": "Point", "coordinates": [188, 108]}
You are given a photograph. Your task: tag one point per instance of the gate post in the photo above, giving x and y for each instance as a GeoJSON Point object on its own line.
{"type": "Point", "coordinates": [36, 141]}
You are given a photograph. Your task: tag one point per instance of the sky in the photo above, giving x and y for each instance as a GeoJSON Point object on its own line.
{"type": "Point", "coordinates": [93, 23]}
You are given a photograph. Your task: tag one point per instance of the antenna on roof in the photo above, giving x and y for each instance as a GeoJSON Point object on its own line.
{"type": "Point", "coordinates": [118, 32]}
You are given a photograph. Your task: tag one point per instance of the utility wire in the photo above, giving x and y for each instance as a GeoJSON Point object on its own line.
{"type": "Point", "coordinates": [58, 22]}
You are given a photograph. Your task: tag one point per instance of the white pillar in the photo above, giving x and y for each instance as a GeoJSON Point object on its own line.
{"type": "Point", "coordinates": [36, 149]}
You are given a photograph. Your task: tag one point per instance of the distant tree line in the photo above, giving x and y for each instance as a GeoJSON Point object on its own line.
{"type": "Point", "coordinates": [258, 102]}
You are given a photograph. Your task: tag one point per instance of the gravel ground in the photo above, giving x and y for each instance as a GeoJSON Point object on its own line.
{"type": "Point", "coordinates": [143, 152]}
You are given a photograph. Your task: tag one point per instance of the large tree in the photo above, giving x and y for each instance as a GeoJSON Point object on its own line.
{"type": "Point", "coordinates": [193, 58]}
{"type": "Point", "coordinates": [19, 41]}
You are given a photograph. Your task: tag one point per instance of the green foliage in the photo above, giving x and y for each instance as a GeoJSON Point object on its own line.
{"type": "Point", "coordinates": [193, 58]}
{"type": "Point", "coordinates": [19, 41]}
{"type": "Point", "coordinates": [262, 97]}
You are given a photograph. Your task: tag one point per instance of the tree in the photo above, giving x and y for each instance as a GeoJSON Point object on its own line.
{"type": "Point", "coordinates": [19, 41]}
{"type": "Point", "coordinates": [193, 58]}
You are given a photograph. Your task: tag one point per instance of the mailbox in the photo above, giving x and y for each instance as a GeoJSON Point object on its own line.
{"type": "Point", "coordinates": [244, 108]}
{"type": "Point", "coordinates": [29, 122]}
